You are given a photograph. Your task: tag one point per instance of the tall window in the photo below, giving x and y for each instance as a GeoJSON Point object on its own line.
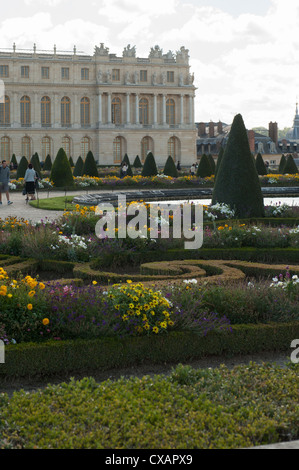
{"type": "Point", "coordinates": [25, 71]}
{"type": "Point", "coordinates": [46, 111]}
{"type": "Point", "coordinates": [145, 147]}
{"type": "Point", "coordinates": [26, 147]}
{"type": "Point", "coordinates": [46, 147]}
{"type": "Point", "coordinates": [5, 148]}
{"type": "Point", "coordinates": [4, 71]}
{"type": "Point", "coordinates": [143, 75]}
{"type": "Point", "coordinates": [45, 72]}
{"type": "Point", "coordinates": [84, 74]}
{"type": "Point", "coordinates": [65, 112]}
{"type": "Point", "coordinates": [65, 73]}
{"type": "Point", "coordinates": [115, 75]}
{"type": "Point", "coordinates": [117, 150]}
{"type": "Point", "coordinates": [116, 111]}
{"type": "Point", "coordinates": [85, 112]}
{"type": "Point", "coordinates": [5, 112]}
{"type": "Point", "coordinates": [170, 77]}
{"type": "Point", "coordinates": [173, 148]}
{"type": "Point", "coordinates": [66, 145]}
{"type": "Point", "coordinates": [25, 111]}
{"type": "Point", "coordinates": [85, 146]}
{"type": "Point", "coordinates": [170, 112]}
{"type": "Point", "coordinates": [143, 111]}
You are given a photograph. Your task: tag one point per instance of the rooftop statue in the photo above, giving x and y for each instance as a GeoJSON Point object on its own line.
{"type": "Point", "coordinates": [129, 51]}
{"type": "Point", "coordinates": [155, 52]}
{"type": "Point", "coordinates": [102, 50]}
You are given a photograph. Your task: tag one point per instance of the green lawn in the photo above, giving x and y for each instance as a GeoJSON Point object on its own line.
{"type": "Point", "coordinates": [60, 203]}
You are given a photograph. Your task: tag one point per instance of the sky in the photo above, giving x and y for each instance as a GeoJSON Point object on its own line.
{"type": "Point", "coordinates": [244, 53]}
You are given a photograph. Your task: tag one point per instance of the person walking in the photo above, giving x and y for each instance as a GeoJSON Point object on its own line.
{"type": "Point", "coordinates": [4, 180]}
{"type": "Point", "coordinates": [30, 181]}
{"type": "Point", "coordinates": [192, 169]}
{"type": "Point", "coordinates": [123, 170]}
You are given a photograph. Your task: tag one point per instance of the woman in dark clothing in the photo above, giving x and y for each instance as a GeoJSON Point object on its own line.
{"type": "Point", "coordinates": [30, 178]}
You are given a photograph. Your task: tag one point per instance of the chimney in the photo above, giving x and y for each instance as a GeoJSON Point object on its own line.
{"type": "Point", "coordinates": [251, 140]}
{"type": "Point", "coordinates": [201, 129]}
{"type": "Point", "coordinates": [211, 129]}
{"type": "Point", "coordinates": [273, 132]}
{"type": "Point", "coordinates": [219, 127]}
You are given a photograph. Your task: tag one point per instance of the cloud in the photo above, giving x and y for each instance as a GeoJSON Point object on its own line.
{"type": "Point", "coordinates": [47, 3]}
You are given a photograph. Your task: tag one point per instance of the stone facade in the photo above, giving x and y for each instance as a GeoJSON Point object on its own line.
{"type": "Point", "coordinates": [107, 104]}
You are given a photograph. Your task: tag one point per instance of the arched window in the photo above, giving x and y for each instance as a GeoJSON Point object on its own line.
{"type": "Point", "coordinates": [173, 148]}
{"type": "Point", "coordinates": [170, 112]}
{"type": "Point", "coordinates": [85, 112]}
{"type": "Point", "coordinates": [46, 111]}
{"type": "Point", "coordinates": [26, 148]}
{"type": "Point", "coordinates": [116, 111]}
{"type": "Point", "coordinates": [85, 146]}
{"type": "Point", "coordinates": [5, 112]}
{"type": "Point", "coordinates": [145, 148]}
{"type": "Point", "coordinates": [143, 111]}
{"type": "Point", "coordinates": [5, 148]}
{"type": "Point", "coordinates": [66, 145]}
{"type": "Point", "coordinates": [117, 150]}
{"type": "Point", "coordinates": [46, 147]}
{"type": "Point", "coordinates": [25, 111]}
{"type": "Point", "coordinates": [65, 112]}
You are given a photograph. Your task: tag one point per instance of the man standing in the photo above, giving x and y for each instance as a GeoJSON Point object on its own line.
{"type": "Point", "coordinates": [4, 179]}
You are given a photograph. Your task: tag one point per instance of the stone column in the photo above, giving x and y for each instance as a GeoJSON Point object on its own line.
{"type": "Point", "coordinates": [137, 108]}
{"type": "Point", "coordinates": [100, 108]}
{"type": "Point", "coordinates": [164, 110]}
{"type": "Point", "coordinates": [182, 110]}
{"type": "Point", "coordinates": [190, 109]}
{"type": "Point", "coordinates": [128, 108]}
{"type": "Point", "coordinates": [109, 109]}
{"type": "Point", "coordinates": [35, 111]}
{"type": "Point", "coordinates": [155, 110]}
{"type": "Point", "coordinates": [15, 116]}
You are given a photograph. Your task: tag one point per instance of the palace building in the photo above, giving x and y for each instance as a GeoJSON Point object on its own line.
{"type": "Point", "coordinates": [107, 104]}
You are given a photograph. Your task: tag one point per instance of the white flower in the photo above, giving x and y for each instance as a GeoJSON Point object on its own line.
{"type": "Point", "coordinates": [190, 281]}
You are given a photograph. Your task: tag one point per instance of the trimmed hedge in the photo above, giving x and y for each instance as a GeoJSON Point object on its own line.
{"type": "Point", "coordinates": [53, 357]}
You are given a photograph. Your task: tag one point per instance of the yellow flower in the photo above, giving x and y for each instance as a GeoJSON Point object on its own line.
{"type": "Point", "coordinates": [41, 285]}
{"type": "Point", "coordinates": [163, 324]}
{"type": "Point", "coordinates": [29, 306]}
{"type": "Point", "coordinates": [129, 281]}
{"type": "Point", "coordinates": [155, 329]}
{"type": "Point", "coordinates": [9, 295]}
{"type": "Point", "coordinates": [94, 283]}
{"type": "Point", "coordinates": [46, 321]}
{"type": "Point", "coordinates": [31, 293]}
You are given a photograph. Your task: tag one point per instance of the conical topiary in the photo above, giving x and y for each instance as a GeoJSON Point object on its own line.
{"type": "Point", "coordinates": [13, 159]}
{"type": "Point", "coordinates": [22, 167]}
{"type": "Point", "coordinates": [220, 155]}
{"type": "Point", "coordinates": [204, 168]}
{"type": "Point", "coordinates": [61, 172]}
{"type": "Point", "coordinates": [71, 162]}
{"type": "Point", "coordinates": [237, 183]}
{"type": "Point", "coordinates": [127, 161]}
{"type": "Point", "coordinates": [260, 165]}
{"type": "Point", "coordinates": [149, 167]}
{"type": "Point", "coordinates": [282, 163]}
{"type": "Point", "coordinates": [212, 163]}
{"type": "Point", "coordinates": [36, 163]}
{"type": "Point", "coordinates": [170, 169]}
{"type": "Point", "coordinates": [137, 163]}
{"type": "Point", "coordinates": [78, 167]}
{"type": "Point", "coordinates": [90, 166]}
{"type": "Point", "coordinates": [290, 166]}
{"type": "Point", "coordinates": [48, 163]}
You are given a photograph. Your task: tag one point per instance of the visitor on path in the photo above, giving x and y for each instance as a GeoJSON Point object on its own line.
{"type": "Point", "coordinates": [4, 180]}
{"type": "Point", "coordinates": [192, 169]}
{"type": "Point", "coordinates": [30, 179]}
{"type": "Point", "coordinates": [178, 167]}
{"type": "Point", "coordinates": [123, 170]}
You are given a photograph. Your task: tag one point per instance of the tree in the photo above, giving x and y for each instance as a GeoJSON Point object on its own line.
{"type": "Point", "coordinates": [212, 163]}
{"type": "Point", "coordinates": [71, 162]}
{"type": "Point", "coordinates": [260, 165]}
{"type": "Point", "coordinates": [22, 167]}
{"type": "Point", "coordinates": [13, 159]}
{"type": "Point", "coordinates": [90, 166]}
{"type": "Point", "coordinates": [48, 163]}
{"type": "Point", "coordinates": [237, 183]}
{"type": "Point", "coordinates": [36, 163]}
{"type": "Point", "coordinates": [61, 172]}
{"type": "Point", "coordinates": [220, 155]}
{"type": "Point", "coordinates": [149, 167]}
{"type": "Point", "coordinates": [290, 166]}
{"type": "Point", "coordinates": [137, 163]}
{"type": "Point", "coordinates": [127, 161]}
{"type": "Point", "coordinates": [170, 168]}
{"type": "Point", "coordinates": [204, 168]}
{"type": "Point", "coordinates": [282, 163]}
{"type": "Point", "coordinates": [78, 167]}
